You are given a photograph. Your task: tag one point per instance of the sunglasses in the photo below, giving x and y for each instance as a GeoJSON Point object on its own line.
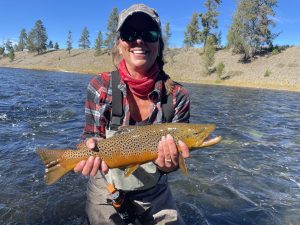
{"type": "Point", "coordinates": [148, 36]}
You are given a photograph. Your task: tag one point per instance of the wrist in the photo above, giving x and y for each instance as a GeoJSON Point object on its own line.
{"type": "Point", "coordinates": [165, 170]}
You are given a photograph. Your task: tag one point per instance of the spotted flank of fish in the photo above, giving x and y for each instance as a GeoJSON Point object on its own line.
{"type": "Point", "coordinates": [132, 146]}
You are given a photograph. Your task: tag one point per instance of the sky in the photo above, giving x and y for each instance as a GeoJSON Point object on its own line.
{"type": "Point", "coordinates": [60, 16]}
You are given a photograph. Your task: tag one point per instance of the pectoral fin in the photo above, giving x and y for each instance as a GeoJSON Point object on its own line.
{"type": "Point", "coordinates": [130, 169]}
{"type": "Point", "coordinates": [181, 162]}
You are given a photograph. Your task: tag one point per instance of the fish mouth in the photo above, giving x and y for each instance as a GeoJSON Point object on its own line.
{"type": "Point", "coordinates": [206, 139]}
{"type": "Point", "coordinates": [210, 141]}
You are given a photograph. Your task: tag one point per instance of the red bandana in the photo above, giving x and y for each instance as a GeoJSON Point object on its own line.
{"type": "Point", "coordinates": [139, 87]}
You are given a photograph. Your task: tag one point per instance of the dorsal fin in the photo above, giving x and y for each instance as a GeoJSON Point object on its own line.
{"type": "Point", "coordinates": [125, 129]}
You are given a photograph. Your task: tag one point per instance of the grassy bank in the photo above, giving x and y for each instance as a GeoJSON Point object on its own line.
{"type": "Point", "coordinates": [280, 71]}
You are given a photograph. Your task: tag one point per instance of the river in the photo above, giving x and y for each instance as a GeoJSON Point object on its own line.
{"type": "Point", "coordinates": [251, 177]}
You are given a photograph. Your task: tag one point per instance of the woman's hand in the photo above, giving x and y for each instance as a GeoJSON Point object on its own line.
{"type": "Point", "coordinates": [93, 164]}
{"type": "Point", "coordinates": [168, 155]}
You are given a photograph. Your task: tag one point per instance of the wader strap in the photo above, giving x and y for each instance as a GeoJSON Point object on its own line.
{"type": "Point", "coordinates": [117, 102]}
{"type": "Point", "coordinates": [167, 108]}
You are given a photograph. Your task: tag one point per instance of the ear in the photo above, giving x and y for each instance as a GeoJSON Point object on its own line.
{"type": "Point", "coordinates": [119, 48]}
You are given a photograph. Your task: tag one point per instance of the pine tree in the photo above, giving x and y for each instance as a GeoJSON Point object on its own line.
{"type": "Point", "coordinates": [8, 45]}
{"type": "Point", "coordinates": [84, 41]}
{"type": "Point", "coordinates": [191, 35]}
{"type": "Point", "coordinates": [209, 54]}
{"type": "Point", "coordinates": [2, 49]}
{"type": "Point", "coordinates": [111, 34]}
{"type": "Point", "coordinates": [250, 29]}
{"type": "Point", "coordinates": [30, 41]}
{"type": "Point", "coordinates": [69, 42]}
{"type": "Point", "coordinates": [40, 37]}
{"type": "Point", "coordinates": [98, 44]}
{"type": "Point", "coordinates": [50, 45]}
{"type": "Point", "coordinates": [16, 47]}
{"type": "Point", "coordinates": [11, 54]}
{"type": "Point", "coordinates": [167, 35]}
{"type": "Point", "coordinates": [56, 46]}
{"type": "Point", "coordinates": [22, 40]}
{"type": "Point", "coordinates": [209, 20]}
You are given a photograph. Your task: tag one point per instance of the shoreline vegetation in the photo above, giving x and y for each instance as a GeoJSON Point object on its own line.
{"type": "Point", "coordinates": [270, 71]}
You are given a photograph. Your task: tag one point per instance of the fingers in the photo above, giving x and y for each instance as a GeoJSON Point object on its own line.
{"type": "Point", "coordinates": [79, 166]}
{"type": "Point", "coordinates": [92, 164]}
{"type": "Point", "coordinates": [160, 161]}
{"type": "Point", "coordinates": [165, 147]}
{"type": "Point", "coordinates": [95, 166]}
{"type": "Point", "coordinates": [104, 167]}
{"type": "Point", "coordinates": [185, 152]}
{"type": "Point", "coordinates": [167, 159]}
{"type": "Point", "coordinates": [170, 150]}
{"type": "Point", "coordinates": [88, 166]}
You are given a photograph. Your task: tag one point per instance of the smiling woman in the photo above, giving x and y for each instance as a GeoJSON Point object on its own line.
{"type": "Point", "coordinates": [137, 55]}
{"type": "Point", "coordinates": [138, 44]}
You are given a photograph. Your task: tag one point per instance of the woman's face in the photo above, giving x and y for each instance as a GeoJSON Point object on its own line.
{"type": "Point", "coordinates": [139, 54]}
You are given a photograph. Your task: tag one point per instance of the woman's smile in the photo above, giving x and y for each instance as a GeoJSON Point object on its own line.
{"type": "Point", "coordinates": [139, 55]}
{"type": "Point", "coordinates": [139, 51]}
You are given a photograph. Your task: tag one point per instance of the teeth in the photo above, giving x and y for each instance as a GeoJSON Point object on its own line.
{"type": "Point", "coordinates": [139, 52]}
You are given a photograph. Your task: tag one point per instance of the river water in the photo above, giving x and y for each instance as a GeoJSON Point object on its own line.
{"type": "Point", "coordinates": [251, 177]}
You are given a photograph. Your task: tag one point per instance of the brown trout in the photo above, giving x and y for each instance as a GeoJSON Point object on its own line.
{"type": "Point", "coordinates": [130, 147]}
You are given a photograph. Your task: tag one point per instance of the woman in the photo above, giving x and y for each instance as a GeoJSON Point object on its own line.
{"type": "Point", "coordinates": [138, 57]}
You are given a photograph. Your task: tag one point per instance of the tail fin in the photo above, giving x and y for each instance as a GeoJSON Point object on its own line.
{"type": "Point", "coordinates": [56, 165]}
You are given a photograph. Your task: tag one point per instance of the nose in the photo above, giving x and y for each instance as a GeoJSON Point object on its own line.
{"type": "Point", "coordinates": [139, 40]}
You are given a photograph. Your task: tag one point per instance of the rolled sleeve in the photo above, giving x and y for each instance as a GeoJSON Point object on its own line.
{"type": "Point", "coordinates": [96, 108]}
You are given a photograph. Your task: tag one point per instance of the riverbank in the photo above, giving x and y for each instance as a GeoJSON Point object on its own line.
{"type": "Point", "coordinates": [280, 71]}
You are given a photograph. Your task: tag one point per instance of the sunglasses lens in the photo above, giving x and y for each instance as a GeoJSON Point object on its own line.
{"type": "Point", "coordinates": [151, 36]}
{"type": "Point", "coordinates": [148, 36]}
{"type": "Point", "coordinates": [128, 36]}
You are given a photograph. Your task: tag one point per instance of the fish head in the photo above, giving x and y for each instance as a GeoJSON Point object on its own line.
{"type": "Point", "coordinates": [197, 135]}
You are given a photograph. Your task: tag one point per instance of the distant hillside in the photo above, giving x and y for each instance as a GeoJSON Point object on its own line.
{"type": "Point", "coordinates": [280, 71]}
